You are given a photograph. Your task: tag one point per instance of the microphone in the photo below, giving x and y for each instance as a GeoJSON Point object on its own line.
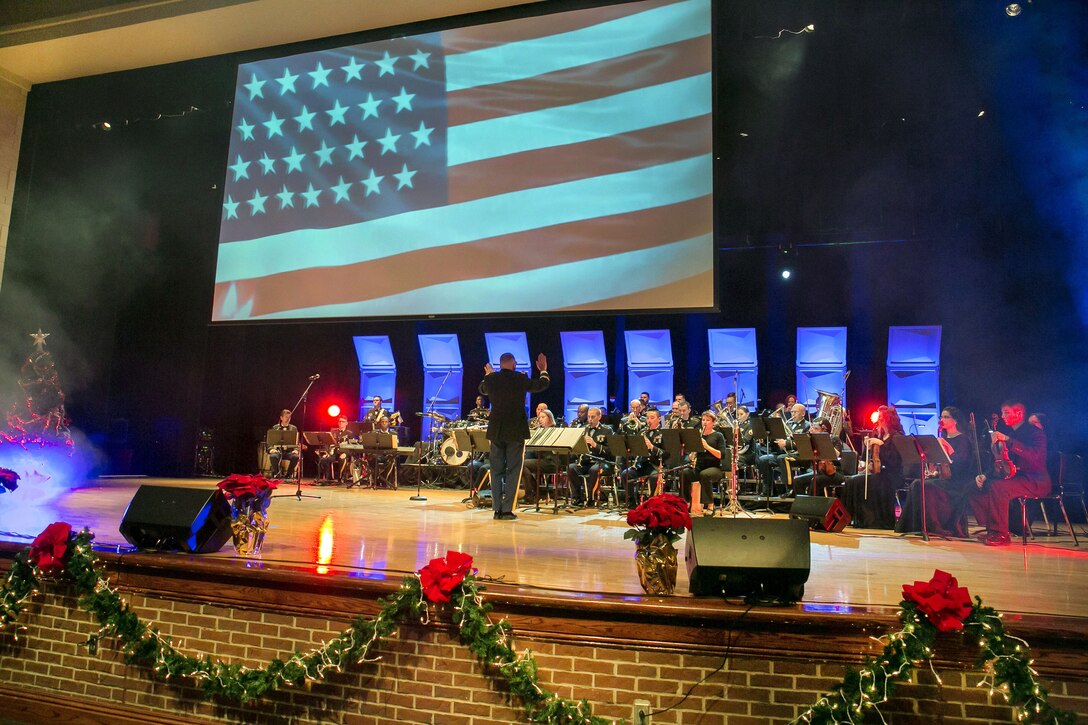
{"type": "Point", "coordinates": [315, 376]}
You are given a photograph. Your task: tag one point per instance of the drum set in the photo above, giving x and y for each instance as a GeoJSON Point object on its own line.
{"type": "Point", "coordinates": [443, 446]}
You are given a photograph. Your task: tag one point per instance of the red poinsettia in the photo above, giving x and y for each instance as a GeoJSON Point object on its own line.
{"type": "Point", "coordinates": [664, 514]}
{"type": "Point", "coordinates": [239, 486]}
{"type": "Point", "coordinates": [48, 550]}
{"type": "Point", "coordinates": [8, 480]}
{"type": "Point", "coordinates": [941, 599]}
{"type": "Point", "coordinates": [441, 576]}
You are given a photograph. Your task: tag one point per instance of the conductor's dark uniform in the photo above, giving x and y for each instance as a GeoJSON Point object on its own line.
{"type": "Point", "coordinates": [507, 430]}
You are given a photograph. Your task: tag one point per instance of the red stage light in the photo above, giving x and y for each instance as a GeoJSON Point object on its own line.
{"type": "Point", "coordinates": [874, 417]}
{"type": "Point", "coordinates": [334, 411]}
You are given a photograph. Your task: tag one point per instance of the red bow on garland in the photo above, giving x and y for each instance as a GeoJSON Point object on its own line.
{"type": "Point", "coordinates": [441, 576]}
{"type": "Point", "coordinates": [48, 550]}
{"type": "Point", "coordinates": [941, 599]}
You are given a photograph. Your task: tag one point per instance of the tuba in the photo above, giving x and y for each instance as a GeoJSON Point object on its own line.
{"type": "Point", "coordinates": [829, 405]}
{"type": "Point", "coordinates": [725, 419]}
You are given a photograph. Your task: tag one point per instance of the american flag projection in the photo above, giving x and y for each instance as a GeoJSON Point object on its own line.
{"type": "Point", "coordinates": [561, 162]}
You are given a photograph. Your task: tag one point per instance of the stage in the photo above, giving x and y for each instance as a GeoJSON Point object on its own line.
{"type": "Point", "coordinates": [567, 585]}
{"type": "Point", "coordinates": [381, 534]}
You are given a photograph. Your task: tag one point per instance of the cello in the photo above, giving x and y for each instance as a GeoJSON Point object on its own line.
{"type": "Point", "coordinates": [1003, 466]}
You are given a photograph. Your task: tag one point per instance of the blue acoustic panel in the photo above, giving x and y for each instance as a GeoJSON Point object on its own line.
{"type": "Point", "coordinates": [722, 383]}
{"type": "Point", "coordinates": [733, 348]}
{"type": "Point", "coordinates": [919, 421]}
{"type": "Point", "coordinates": [383, 383]}
{"type": "Point", "coordinates": [584, 386]}
{"type": "Point", "coordinates": [810, 381]}
{"type": "Point", "coordinates": [441, 394]}
{"type": "Point", "coordinates": [440, 351]}
{"type": "Point", "coordinates": [515, 343]}
{"type": "Point", "coordinates": [584, 350]}
{"type": "Point", "coordinates": [914, 388]}
{"type": "Point", "coordinates": [374, 352]}
{"type": "Point", "coordinates": [914, 347]}
{"type": "Point", "coordinates": [648, 348]}
{"type": "Point", "coordinates": [821, 347]}
{"type": "Point", "coordinates": [658, 383]}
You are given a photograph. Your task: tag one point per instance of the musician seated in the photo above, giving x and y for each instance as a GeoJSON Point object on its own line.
{"type": "Point", "coordinates": [697, 482]}
{"type": "Point", "coordinates": [538, 463]}
{"type": "Point", "coordinates": [749, 450]}
{"type": "Point", "coordinates": [781, 454]}
{"type": "Point", "coordinates": [827, 474]}
{"type": "Point", "coordinates": [481, 413]}
{"type": "Point", "coordinates": [582, 419]}
{"type": "Point", "coordinates": [585, 473]}
{"type": "Point", "coordinates": [634, 420]}
{"type": "Point", "coordinates": [684, 418]}
{"type": "Point", "coordinates": [871, 499]}
{"type": "Point", "coordinates": [278, 454]}
{"type": "Point", "coordinates": [376, 412]}
{"type": "Point", "coordinates": [644, 398]}
{"type": "Point", "coordinates": [386, 462]}
{"type": "Point", "coordinates": [636, 476]}
{"type": "Point", "coordinates": [947, 490]}
{"type": "Point", "coordinates": [328, 460]}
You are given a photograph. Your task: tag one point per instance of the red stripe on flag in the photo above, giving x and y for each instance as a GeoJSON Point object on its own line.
{"type": "Point", "coordinates": [582, 83]}
{"type": "Point", "coordinates": [691, 293]}
{"type": "Point", "coordinates": [614, 154]}
{"type": "Point", "coordinates": [506, 254]}
{"type": "Point", "coordinates": [480, 37]}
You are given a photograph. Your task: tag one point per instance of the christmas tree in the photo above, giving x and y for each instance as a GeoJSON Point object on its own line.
{"type": "Point", "coordinates": [41, 419]}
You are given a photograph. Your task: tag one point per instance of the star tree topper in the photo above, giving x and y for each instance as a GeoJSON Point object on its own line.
{"type": "Point", "coordinates": [39, 339]}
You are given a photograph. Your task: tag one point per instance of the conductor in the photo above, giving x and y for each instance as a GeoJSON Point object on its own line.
{"type": "Point", "coordinates": [509, 427]}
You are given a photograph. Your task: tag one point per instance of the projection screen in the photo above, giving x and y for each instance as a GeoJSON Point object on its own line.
{"type": "Point", "coordinates": [560, 162]}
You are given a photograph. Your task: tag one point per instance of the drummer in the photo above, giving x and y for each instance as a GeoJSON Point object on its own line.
{"type": "Point", "coordinates": [481, 413]}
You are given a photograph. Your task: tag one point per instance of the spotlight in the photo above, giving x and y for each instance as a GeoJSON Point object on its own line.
{"type": "Point", "coordinates": [811, 27]}
{"type": "Point", "coordinates": [786, 274]}
{"type": "Point", "coordinates": [1013, 9]}
{"type": "Point", "coordinates": [334, 411]}
{"type": "Point", "coordinates": [874, 417]}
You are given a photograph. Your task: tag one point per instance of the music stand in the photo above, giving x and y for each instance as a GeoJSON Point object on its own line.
{"type": "Point", "coordinates": [356, 427]}
{"type": "Point", "coordinates": [921, 450]}
{"type": "Point", "coordinates": [803, 448]}
{"type": "Point", "coordinates": [626, 447]}
{"type": "Point", "coordinates": [759, 428]}
{"type": "Point", "coordinates": [465, 442]}
{"type": "Point", "coordinates": [288, 439]}
{"type": "Point", "coordinates": [561, 442]}
{"type": "Point", "coordinates": [776, 428]}
{"type": "Point", "coordinates": [317, 439]}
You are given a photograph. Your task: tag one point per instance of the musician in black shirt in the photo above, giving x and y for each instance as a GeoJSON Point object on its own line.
{"type": "Point", "coordinates": [697, 483]}
{"type": "Point", "coordinates": [327, 460]}
{"type": "Point", "coordinates": [585, 472]}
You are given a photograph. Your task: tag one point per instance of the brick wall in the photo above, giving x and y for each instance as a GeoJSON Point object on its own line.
{"type": "Point", "coordinates": [425, 676]}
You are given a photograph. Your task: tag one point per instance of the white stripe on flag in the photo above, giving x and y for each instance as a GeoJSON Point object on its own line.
{"type": "Point", "coordinates": [610, 39]}
{"type": "Point", "coordinates": [586, 121]}
{"type": "Point", "coordinates": [566, 285]}
{"type": "Point", "coordinates": [509, 213]}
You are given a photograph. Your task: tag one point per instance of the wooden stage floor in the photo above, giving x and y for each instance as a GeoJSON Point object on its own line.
{"type": "Point", "coordinates": [380, 534]}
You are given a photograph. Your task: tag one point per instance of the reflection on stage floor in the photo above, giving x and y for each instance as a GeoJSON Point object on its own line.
{"type": "Point", "coordinates": [382, 534]}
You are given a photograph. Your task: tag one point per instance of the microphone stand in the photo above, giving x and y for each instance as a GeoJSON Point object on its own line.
{"type": "Point", "coordinates": [923, 463]}
{"type": "Point", "coordinates": [419, 460]}
{"type": "Point", "coordinates": [298, 495]}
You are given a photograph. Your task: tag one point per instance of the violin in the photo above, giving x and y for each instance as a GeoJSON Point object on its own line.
{"type": "Point", "coordinates": [1003, 465]}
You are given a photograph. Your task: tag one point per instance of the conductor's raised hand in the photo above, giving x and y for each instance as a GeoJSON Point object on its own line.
{"type": "Point", "coordinates": [541, 362]}
{"type": "Point", "coordinates": [488, 369]}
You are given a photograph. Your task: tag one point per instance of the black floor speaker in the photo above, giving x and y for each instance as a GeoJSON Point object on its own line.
{"type": "Point", "coordinates": [738, 557]}
{"type": "Point", "coordinates": [196, 520]}
{"type": "Point", "coordinates": [822, 513]}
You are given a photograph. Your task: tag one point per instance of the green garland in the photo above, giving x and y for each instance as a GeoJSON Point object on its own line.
{"type": "Point", "coordinates": [1004, 660]}
{"type": "Point", "coordinates": [144, 645]}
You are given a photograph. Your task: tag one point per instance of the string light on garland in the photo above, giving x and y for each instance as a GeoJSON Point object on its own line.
{"type": "Point", "coordinates": [444, 581]}
{"type": "Point", "coordinates": [929, 607]}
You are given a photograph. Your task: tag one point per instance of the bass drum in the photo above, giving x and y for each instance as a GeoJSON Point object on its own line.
{"type": "Point", "coordinates": [451, 455]}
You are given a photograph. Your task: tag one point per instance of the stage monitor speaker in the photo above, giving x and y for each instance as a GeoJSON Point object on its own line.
{"type": "Point", "coordinates": [822, 514]}
{"type": "Point", "coordinates": [168, 518]}
{"type": "Point", "coordinates": [748, 557]}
